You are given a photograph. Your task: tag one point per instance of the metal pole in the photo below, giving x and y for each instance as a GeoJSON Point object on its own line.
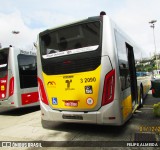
{"type": "Point", "coordinates": [153, 26]}
{"type": "Point", "coordinates": [154, 38]}
{"type": "Point", "coordinates": [155, 47]}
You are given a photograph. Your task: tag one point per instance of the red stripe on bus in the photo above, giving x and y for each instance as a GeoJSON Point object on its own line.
{"type": "Point", "coordinates": [42, 92]}
{"type": "Point", "coordinates": [29, 98]}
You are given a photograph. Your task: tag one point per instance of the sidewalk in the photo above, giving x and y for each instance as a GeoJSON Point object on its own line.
{"type": "Point", "coordinates": [149, 124]}
{"type": "Point", "coordinates": [150, 100]}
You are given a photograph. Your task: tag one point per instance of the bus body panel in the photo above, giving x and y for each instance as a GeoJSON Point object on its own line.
{"type": "Point", "coordinates": [106, 115]}
{"type": "Point", "coordinates": [84, 94]}
{"type": "Point", "coordinates": [128, 106]}
{"type": "Point", "coordinates": [109, 48]}
{"type": "Point", "coordinates": [124, 94]}
{"type": "Point", "coordinates": [73, 91]}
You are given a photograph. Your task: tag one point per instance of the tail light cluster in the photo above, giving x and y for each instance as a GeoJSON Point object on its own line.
{"type": "Point", "coordinates": [42, 92]}
{"type": "Point", "coordinates": [109, 88]}
{"type": "Point", "coordinates": [153, 91]}
{"type": "Point", "coordinates": [3, 87]}
{"type": "Point", "coordinates": [11, 86]}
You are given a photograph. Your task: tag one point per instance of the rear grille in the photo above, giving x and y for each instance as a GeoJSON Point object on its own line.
{"type": "Point", "coordinates": [72, 66]}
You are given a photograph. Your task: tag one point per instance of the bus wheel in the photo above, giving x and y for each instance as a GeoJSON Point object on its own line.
{"type": "Point", "coordinates": [141, 99]}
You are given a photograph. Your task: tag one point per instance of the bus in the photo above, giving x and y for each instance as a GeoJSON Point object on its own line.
{"type": "Point", "coordinates": [87, 73]}
{"type": "Point", "coordinates": [18, 78]}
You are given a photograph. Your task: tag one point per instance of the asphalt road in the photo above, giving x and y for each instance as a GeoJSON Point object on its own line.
{"type": "Point", "coordinates": [25, 125]}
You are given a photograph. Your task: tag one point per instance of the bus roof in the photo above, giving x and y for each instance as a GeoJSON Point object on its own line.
{"type": "Point", "coordinates": [21, 51]}
{"type": "Point", "coordinates": [71, 23]}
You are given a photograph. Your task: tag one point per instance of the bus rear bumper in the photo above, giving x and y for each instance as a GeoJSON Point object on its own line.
{"type": "Point", "coordinates": [7, 103]}
{"type": "Point", "coordinates": [12, 102]}
{"type": "Point", "coordinates": [94, 117]}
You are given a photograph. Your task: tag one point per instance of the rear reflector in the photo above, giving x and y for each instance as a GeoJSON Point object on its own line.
{"type": "Point", "coordinates": [109, 87]}
{"type": "Point", "coordinates": [112, 118]}
{"type": "Point", "coordinates": [42, 92]}
{"type": "Point", "coordinates": [11, 86]}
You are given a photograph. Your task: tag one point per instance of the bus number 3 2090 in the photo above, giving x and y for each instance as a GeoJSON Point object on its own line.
{"type": "Point", "coordinates": [86, 80]}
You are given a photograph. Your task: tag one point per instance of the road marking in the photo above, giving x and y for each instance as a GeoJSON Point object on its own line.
{"type": "Point", "coordinates": [145, 137]}
{"type": "Point", "coordinates": [148, 105]}
{"type": "Point", "coordinates": [146, 108]}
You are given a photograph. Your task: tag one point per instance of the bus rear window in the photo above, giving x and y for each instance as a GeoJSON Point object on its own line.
{"type": "Point", "coordinates": [3, 62]}
{"type": "Point", "coordinates": [77, 39]}
{"type": "Point", "coordinates": [27, 71]}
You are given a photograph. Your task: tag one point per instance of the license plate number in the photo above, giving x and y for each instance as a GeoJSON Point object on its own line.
{"type": "Point", "coordinates": [71, 104]}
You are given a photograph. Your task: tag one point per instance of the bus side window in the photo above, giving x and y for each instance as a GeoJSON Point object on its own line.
{"type": "Point", "coordinates": [124, 76]}
{"type": "Point", "coordinates": [27, 71]}
{"type": "Point", "coordinates": [123, 61]}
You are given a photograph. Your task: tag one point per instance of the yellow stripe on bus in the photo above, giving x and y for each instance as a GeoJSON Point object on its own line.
{"type": "Point", "coordinates": [127, 107]}
{"type": "Point", "coordinates": [73, 91]}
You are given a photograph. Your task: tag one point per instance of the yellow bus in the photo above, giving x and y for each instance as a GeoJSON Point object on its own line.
{"type": "Point", "coordinates": [87, 73]}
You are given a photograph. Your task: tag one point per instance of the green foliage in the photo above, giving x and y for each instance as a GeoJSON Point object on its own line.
{"type": "Point", "coordinates": [147, 68]}
{"type": "Point", "coordinates": [156, 109]}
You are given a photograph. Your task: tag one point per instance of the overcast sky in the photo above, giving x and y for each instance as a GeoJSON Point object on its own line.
{"type": "Point", "coordinates": [32, 16]}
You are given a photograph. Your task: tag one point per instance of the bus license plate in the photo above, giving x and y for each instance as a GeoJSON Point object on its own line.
{"type": "Point", "coordinates": [71, 104]}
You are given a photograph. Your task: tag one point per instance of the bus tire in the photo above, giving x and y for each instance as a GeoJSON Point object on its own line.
{"type": "Point", "coordinates": [141, 98]}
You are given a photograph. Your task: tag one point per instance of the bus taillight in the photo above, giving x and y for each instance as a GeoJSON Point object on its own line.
{"type": "Point", "coordinates": [42, 93]}
{"type": "Point", "coordinates": [11, 86]}
{"type": "Point", "coordinates": [108, 89]}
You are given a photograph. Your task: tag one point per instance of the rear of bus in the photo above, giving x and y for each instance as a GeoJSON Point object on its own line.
{"type": "Point", "coordinates": [6, 81]}
{"type": "Point", "coordinates": [18, 78]}
{"type": "Point", "coordinates": [75, 75]}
